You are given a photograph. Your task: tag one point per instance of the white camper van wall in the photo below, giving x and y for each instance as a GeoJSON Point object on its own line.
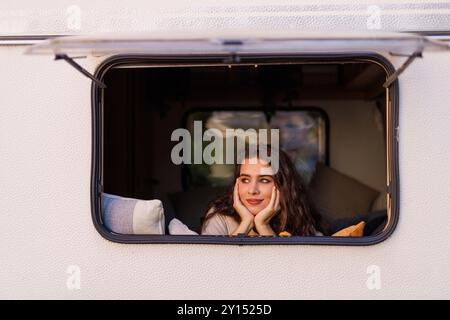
{"type": "Point", "coordinates": [233, 150]}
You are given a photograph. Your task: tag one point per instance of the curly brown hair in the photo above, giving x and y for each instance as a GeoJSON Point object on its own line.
{"type": "Point", "coordinates": [297, 216]}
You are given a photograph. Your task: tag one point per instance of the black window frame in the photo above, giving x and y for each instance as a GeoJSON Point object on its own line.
{"type": "Point", "coordinates": [135, 59]}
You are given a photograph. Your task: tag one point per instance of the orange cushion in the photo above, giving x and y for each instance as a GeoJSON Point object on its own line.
{"type": "Point", "coordinates": [356, 230]}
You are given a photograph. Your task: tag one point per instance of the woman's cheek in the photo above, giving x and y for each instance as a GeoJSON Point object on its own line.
{"type": "Point", "coordinates": [267, 193]}
{"type": "Point", "coordinates": [242, 190]}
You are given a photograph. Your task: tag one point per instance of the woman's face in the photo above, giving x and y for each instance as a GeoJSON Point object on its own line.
{"type": "Point", "coordinates": [255, 184]}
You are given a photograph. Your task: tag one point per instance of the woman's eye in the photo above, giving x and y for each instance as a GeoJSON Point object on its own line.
{"type": "Point", "coordinates": [245, 180]}
{"type": "Point", "coordinates": [264, 180]}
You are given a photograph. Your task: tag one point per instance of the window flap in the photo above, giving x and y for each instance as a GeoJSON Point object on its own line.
{"type": "Point", "coordinates": [235, 44]}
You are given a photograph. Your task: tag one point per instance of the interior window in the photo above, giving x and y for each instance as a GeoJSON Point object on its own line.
{"type": "Point", "coordinates": [302, 134]}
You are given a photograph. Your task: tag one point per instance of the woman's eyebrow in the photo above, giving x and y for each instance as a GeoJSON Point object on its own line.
{"type": "Point", "coordinates": [260, 176]}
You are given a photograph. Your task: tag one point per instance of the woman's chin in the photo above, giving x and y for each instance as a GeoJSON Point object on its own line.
{"type": "Point", "coordinates": [254, 210]}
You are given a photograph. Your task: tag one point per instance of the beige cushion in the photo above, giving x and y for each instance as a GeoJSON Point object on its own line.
{"type": "Point", "coordinates": [336, 195]}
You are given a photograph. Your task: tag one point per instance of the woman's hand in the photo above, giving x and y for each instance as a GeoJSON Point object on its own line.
{"type": "Point", "coordinates": [263, 218]}
{"type": "Point", "coordinates": [246, 216]}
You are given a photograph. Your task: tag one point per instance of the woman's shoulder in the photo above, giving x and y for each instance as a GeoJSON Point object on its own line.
{"type": "Point", "coordinates": [218, 224]}
{"type": "Point", "coordinates": [215, 224]}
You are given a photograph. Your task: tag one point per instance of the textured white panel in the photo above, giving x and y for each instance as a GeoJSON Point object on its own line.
{"type": "Point", "coordinates": [45, 154]}
{"type": "Point", "coordinates": [83, 16]}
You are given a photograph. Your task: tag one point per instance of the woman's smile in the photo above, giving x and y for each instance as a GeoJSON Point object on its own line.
{"type": "Point", "coordinates": [254, 201]}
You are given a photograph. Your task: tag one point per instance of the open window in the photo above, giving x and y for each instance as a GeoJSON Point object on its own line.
{"type": "Point", "coordinates": [333, 100]}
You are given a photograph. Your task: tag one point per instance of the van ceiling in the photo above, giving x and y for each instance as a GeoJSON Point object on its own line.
{"type": "Point", "coordinates": [280, 83]}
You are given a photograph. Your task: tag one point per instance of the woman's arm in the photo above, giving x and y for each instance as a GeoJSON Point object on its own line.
{"type": "Point", "coordinates": [262, 219]}
{"type": "Point", "coordinates": [246, 223]}
{"type": "Point", "coordinates": [244, 227]}
{"type": "Point", "coordinates": [264, 229]}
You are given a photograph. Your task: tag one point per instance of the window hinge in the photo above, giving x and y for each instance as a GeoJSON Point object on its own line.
{"type": "Point", "coordinates": [232, 58]}
{"type": "Point", "coordinates": [70, 61]}
{"type": "Point", "coordinates": [394, 76]}
{"type": "Point", "coordinates": [232, 46]}
{"type": "Point", "coordinates": [389, 189]}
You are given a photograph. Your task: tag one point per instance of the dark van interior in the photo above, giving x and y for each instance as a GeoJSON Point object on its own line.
{"type": "Point", "coordinates": [331, 116]}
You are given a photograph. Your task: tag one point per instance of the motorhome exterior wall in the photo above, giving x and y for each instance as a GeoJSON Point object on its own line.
{"type": "Point", "coordinates": [22, 17]}
{"type": "Point", "coordinates": [46, 224]}
{"type": "Point", "coordinates": [45, 146]}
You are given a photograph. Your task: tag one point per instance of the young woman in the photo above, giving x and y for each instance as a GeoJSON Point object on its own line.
{"type": "Point", "coordinates": [263, 203]}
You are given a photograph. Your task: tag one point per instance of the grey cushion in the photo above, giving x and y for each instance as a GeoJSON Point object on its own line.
{"type": "Point", "coordinates": [132, 216]}
{"type": "Point", "coordinates": [336, 195]}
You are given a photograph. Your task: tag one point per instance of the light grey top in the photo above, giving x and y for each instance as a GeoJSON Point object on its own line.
{"type": "Point", "coordinates": [220, 224]}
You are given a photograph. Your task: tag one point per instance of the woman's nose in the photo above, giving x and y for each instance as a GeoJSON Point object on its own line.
{"type": "Point", "coordinates": [254, 189]}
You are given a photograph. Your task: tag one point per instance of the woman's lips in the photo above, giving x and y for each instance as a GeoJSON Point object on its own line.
{"type": "Point", "coordinates": [254, 202]}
